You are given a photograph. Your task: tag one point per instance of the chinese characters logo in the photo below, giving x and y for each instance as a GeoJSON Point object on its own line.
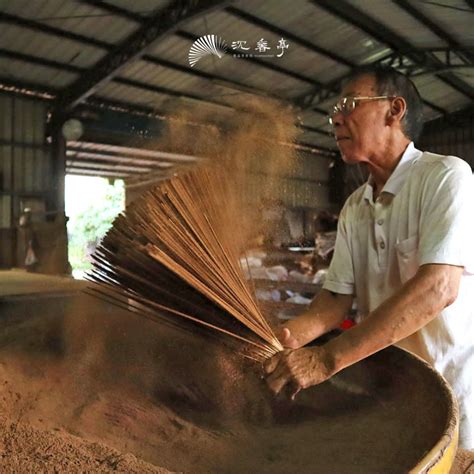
{"type": "Point", "coordinates": [262, 46]}
{"type": "Point", "coordinates": [216, 46]}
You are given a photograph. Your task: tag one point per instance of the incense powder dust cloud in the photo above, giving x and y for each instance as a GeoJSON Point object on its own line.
{"type": "Point", "coordinates": [175, 253]}
{"type": "Point", "coordinates": [254, 143]}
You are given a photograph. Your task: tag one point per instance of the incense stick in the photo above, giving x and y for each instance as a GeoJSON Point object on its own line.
{"type": "Point", "coordinates": [169, 256]}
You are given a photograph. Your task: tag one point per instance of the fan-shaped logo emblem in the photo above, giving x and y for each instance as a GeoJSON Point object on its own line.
{"type": "Point", "coordinates": [206, 45]}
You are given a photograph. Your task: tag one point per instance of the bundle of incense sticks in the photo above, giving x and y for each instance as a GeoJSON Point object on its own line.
{"type": "Point", "coordinates": [173, 257]}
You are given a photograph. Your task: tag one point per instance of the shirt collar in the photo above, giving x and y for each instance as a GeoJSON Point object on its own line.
{"type": "Point", "coordinates": [399, 174]}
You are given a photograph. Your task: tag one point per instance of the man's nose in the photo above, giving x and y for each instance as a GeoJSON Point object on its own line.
{"type": "Point", "coordinates": [337, 119]}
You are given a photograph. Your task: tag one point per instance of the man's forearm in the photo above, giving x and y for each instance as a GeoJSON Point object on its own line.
{"type": "Point", "coordinates": [419, 301]}
{"type": "Point", "coordinates": [325, 313]}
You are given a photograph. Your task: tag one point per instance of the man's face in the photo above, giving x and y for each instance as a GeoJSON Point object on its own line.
{"type": "Point", "coordinates": [364, 133]}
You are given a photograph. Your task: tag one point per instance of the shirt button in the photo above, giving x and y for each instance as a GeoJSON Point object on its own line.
{"type": "Point", "coordinates": [382, 245]}
{"type": "Point", "coordinates": [380, 221]}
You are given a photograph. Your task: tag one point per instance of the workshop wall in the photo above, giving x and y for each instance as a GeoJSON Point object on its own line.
{"type": "Point", "coordinates": [451, 136]}
{"type": "Point", "coordinates": [27, 180]}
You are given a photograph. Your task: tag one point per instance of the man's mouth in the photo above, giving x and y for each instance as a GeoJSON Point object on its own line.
{"type": "Point", "coordinates": [339, 139]}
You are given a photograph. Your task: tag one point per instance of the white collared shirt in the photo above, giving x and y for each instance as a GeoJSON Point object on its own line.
{"type": "Point", "coordinates": [423, 215]}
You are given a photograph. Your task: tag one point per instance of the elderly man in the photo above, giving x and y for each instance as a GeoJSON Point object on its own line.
{"type": "Point", "coordinates": [404, 251]}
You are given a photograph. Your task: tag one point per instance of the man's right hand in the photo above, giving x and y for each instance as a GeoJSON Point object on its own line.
{"type": "Point", "coordinates": [293, 370]}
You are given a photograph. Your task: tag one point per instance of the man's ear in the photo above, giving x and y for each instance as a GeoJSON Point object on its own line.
{"type": "Point", "coordinates": [398, 108]}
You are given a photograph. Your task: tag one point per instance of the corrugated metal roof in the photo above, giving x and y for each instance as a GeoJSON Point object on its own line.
{"type": "Point", "coordinates": [176, 49]}
{"type": "Point", "coordinates": [37, 9]}
{"type": "Point", "coordinates": [396, 19]}
{"type": "Point", "coordinates": [466, 74]}
{"type": "Point", "coordinates": [74, 16]}
{"type": "Point", "coordinates": [167, 78]}
{"type": "Point", "coordinates": [19, 71]}
{"type": "Point", "coordinates": [308, 21]}
{"type": "Point", "coordinates": [144, 7]}
{"type": "Point", "coordinates": [41, 45]}
{"type": "Point", "coordinates": [233, 77]}
{"type": "Point", "coordinates": [132, 95]}
{"type": "Point", "coordinates": [454, 16]}
{"type": "Point", "coordinates": [173, 48]}
{"type": "Point", "coordinates": [439, 93]}
{"type": "Point", "coordinates": [158, 101]}
{"type": "Point", "coordinates": [183, 83]}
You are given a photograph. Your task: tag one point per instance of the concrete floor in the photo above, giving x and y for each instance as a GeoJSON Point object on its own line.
{"type": "Point", "coordinates": [19, 283]}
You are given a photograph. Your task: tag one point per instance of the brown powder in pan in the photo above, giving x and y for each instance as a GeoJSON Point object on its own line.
{"type": "Point", "coordinates": [185, 403]}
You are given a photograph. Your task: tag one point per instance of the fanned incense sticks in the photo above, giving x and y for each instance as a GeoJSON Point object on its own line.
{"type": "Point", "coordinates": [174, 256]}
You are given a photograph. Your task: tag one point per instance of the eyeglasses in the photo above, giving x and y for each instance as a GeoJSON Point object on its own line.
{"type": "Point", "coordinates": [345, 105]}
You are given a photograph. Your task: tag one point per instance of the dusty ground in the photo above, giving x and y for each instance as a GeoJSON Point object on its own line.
{"type": "Point", "coordinates": [82, 384]}
{"type": "Point", "coordinates": [27, 449]}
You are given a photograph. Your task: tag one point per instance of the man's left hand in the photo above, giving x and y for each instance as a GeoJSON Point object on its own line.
{"type": "Point", "coordinates": [294, 370]}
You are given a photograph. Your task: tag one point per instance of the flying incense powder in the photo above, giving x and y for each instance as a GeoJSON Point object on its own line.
{"type": "Point", "coordinates": [174, 256]}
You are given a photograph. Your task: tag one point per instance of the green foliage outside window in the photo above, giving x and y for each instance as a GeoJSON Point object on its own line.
{"type": "Point", "coordinates": [86, 229]}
